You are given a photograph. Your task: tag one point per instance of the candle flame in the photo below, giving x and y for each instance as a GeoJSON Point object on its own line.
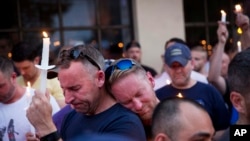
{"type": "Point", "coordinates": [45, 34]}
{"type": "Point", "coordinates": [223, 12]}
{"type": "Point", "coordinates": [239, 44]}
{"type": "Point", "coordinates": [238, 8]}
{"type": "Point", "coordinates": [29, 86]}
{"type": "Point", "coordinates": [168, 81]}
{"type": "Point", "coordinates": [179, 95]}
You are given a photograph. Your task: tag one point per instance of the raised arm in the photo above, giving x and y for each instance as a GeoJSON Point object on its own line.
{"type": "Point", "coordinates": [214, 75]}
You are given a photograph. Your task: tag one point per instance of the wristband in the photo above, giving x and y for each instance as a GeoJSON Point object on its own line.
{"type": "Point", "coordinates": [54, 136]}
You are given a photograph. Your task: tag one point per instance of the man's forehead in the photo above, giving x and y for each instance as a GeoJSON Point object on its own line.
{"type": "Point", "coordinates": [134, 48]}
{"type": "Point", "coordinates": [24, 63]}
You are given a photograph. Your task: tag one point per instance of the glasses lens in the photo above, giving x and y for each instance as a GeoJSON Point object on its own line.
{"type": "Point", "coordinates": [121, 65]}
{"type": "Point", "coordinates": [124, 64]}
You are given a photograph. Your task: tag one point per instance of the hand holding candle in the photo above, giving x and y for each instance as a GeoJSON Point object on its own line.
{"type": "Point", "coordinates": [223, 16]}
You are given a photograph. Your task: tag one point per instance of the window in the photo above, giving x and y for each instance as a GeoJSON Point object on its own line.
{"type": "Point", "coordinates": [201, 18]}
{"type": "Point", "coordinates": [102, 23]}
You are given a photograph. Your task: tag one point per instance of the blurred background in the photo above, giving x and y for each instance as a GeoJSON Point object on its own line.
{"type": "Point", "coordinates": [110, 24]}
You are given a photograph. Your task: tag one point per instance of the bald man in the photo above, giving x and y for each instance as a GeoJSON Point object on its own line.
{"type": "Point", "coordinates": [179, 119]}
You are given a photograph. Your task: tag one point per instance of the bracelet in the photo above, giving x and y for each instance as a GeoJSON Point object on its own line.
{"type": "Point", "coordinates": [54, 136]}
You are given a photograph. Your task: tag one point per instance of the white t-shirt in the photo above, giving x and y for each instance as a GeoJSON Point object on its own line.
{"type": "Point", "coordinates": [13, 121]}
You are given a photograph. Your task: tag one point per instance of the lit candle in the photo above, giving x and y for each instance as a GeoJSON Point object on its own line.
{"type": "Point", "coordinates": [239, 46]}
{"type": "Point", "coordinates": [45, 62]}
{"type": "Point", "coordinates": [179, 95]}
{"type": "Point", "coordinates": [29, 99]}
{"type": "Point", "coordinates": [168, 82]}
{"type": "Point", "coordinates": [45, 54]}
{"type": "Point", "coordinates": [223, 16]}
{"type": "Point", "coordinates": [28, 91]}
{"type": "Point", "coordinates": [238, 8]}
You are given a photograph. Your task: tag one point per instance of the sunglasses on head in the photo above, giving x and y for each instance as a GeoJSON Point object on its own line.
{"type": "Point", "coordinates": [122, 65]}
{"type": "Point", "coordinates": [75, 53]}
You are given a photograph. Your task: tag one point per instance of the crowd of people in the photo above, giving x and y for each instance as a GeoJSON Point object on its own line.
{"type": "Point", "coordinates": [93, 99]}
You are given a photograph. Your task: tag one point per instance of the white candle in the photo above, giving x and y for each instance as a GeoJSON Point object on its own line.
{"type": "Point", "coordinates": [239, 46]}
{"type": "Point", "coordinates": [45, 54]}
{"type": "Point", "coordinates": [238, 8]}
{"type": "Point", "coordinates": [223, 15]}
{"type": "Point", "coordinates": [43, 82]}
{"type": "Point", "coordinates": [29, 99]}
{"type": "Point", "coordinates": [45, 62]}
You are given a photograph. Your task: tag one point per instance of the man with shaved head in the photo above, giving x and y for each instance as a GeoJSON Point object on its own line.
{"type": "Point", "coordinates": [180, 119]}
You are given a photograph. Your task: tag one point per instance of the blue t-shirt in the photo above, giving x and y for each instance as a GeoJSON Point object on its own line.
{"type": "Point", "coordinates": [115, 120]}
{"type": "Point", "coordinates": [206, 95]}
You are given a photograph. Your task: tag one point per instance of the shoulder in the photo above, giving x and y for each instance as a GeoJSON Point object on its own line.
{"type": "Point", "coordinates": [118, 109]}
{"type": "Point", "coordinates": [208, 88]}
{"type": "Point", "coordinates": [126, 122]}
{"type": "Point", "coordinates": [199, 77]}
{"type": "Point", "coordinates": [20, 80]}
{"type": "Point", "coordinates": [164, 92]}
{"type": "Point", "coordinates": [55, 89]}
{"type": "Point", "coordinates": [119, 115]}
{"type": "Point", "coordinates": [65, 110]}
{"type": "Point", "coordinates": [204, 86]}
{"type": "Point", "coordinates": [163, 89]}
{"type": "Point", "coordinates": [53, 80]}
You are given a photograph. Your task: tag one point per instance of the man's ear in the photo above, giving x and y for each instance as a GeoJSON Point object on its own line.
{"type": "Point", "coordinates": [161, 137]}
{"type": "Point", "coordinates": [37, 60]}
{"type": "Point", "coordinates": [13, 77]}
{"type": "Point", "coordinates": [238, 101]}
{"type": "Point", "coordinates": [100, 78]}
{"type": "Point", "coordinates": [151, 79]}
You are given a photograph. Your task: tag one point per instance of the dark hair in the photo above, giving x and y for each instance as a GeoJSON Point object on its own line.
{"type": "Point", "coordinates": [132, 44]}
{"type": "Point", "coordinates": [23, 51]}
{"type": "Point", "coordinates": [175, 39]}
{"type": "Point", "coordinates": [239, 72]}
